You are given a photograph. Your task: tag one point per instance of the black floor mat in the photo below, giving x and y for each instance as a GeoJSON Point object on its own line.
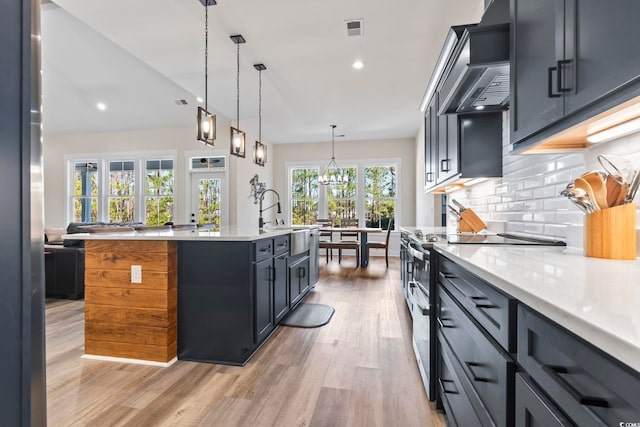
{"type": "Point", "coordinates": [308, 315]}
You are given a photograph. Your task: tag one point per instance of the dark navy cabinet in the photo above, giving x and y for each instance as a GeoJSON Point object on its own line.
{"type": "Point", "coordinates": [448, 146]}
{"type": "Point", "coordinates": [570, 60]}
{"type": "Point", "coordinates": [430, 141]}
{"type": "Point", "coordinates": [264, 298]}
{"type": "Point", "coordinates": [298, 279]}
{"type": "Point", "coordinates": [280, 287]}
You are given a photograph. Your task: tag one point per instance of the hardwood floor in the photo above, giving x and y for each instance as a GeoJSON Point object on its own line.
{"type": "Point", "coordinates": [359, 370]}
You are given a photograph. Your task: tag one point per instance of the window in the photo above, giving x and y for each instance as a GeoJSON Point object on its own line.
{"type": "Point", "coordinates": [85, 191]}
{"type": "Point", "coordinates": [131, 187]}
{"type": "Point", "coordinates": [304, 195]}
{"type": "Point", "coordinates": [209, 201]}
{"type": "Point", "coordinates": [159, 194]}
{"type": "Point", "coordinates": [121, 191]}
{"type": "Point", "coordinates": [380, 195]}
{"type": "Point", "coordinates": [341, 198]}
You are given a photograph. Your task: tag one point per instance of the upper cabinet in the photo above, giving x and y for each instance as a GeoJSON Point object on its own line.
{"type": "Point", "coordinates": [571, 61]}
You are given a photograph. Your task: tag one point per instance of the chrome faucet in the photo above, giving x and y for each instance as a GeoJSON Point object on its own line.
{"type": "Point", "coordinates": [260, 220]}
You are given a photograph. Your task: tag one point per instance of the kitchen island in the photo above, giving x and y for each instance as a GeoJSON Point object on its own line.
{"type": "Point", "coordinates": [203, 295]}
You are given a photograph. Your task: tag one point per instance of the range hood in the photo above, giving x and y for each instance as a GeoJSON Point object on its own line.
{"type": "Point", "coordinates": [476, 77]}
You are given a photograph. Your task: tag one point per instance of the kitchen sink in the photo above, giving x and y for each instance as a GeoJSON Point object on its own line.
{"type": "Point", "coordinates": [300, 241]}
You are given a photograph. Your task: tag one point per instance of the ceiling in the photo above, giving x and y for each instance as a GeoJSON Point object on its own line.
{"type": "Point", "coordinates": [138, 57]}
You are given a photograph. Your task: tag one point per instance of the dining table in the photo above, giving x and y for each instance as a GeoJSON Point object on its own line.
{"type": "Point", "coordinates": [364, 232]}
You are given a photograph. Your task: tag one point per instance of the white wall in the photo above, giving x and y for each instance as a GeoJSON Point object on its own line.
{"type": "Point", "coordinates": [182, 141]}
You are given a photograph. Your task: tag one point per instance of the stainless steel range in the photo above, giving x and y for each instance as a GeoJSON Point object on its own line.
{"type": "Point", "coordinates": [419, 281]}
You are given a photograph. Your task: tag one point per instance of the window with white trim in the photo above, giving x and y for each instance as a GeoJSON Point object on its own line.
{"type": "Point", "coordinates": [342, 197]}
{"type": "Point", "coordinates": [304, 195]}
{"type": "Point", "coordinates": [380, 195]}
{"type": "Point", "coordinates": [110, 187]}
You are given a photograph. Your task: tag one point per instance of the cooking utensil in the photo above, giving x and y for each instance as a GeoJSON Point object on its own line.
{"type": "Point", "coordinates": [454, 212]}
{"type": "Point", "coordinates": [580, 183]}
{"type": "Point", "coordinates": [596, 181]}
{"type": "Point", "coordinates": [580, 198]}
{"type": "Point", "coordinates": [459, 205]}
{"type": "Point", "coordinates": [618, 168]}
{"type": "Point", "coordinates": [616, 192]}
{"type": "Point", "coordinates": [633, 187]}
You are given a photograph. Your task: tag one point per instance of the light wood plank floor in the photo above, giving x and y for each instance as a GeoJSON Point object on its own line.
{"type": "Point", "coordinates": [359, 370]}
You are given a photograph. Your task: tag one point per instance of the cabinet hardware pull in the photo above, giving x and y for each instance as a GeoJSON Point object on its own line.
{"type": "Point", "coordinates": [301, 272]}
{"type": "Point", "coordinates": [423, 310]}
{"type": "Point", "coordinates": [442, 325]}
{"type": "Point", "coordinates": [446, 275]}
{"type": "Point", "coordinates": [271, 274]}
{"type": "Point", "coordinates": [555, 371]}
{"type": "Point", "coordinates": [265, 249]}
{"type": "Point", "coordinates": [446, 162]}
{"type": "Point", "coordinates": [410, 264]}
{"type": "Point", "coordinates": [550, 93]}
{"type": "Point", "coordinates": [475, 301]}
{"type": "Point", "coordinates": [560, 65]}
{"type": "Point", "coordinates": [430, 176]}
{"type": "Point", "coordinates": [476, 378]}
{"type": "Point", "coordinates": [442, 381]}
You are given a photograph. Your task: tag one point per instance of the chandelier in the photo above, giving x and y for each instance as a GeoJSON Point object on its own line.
{"type": "Point", "coordinates": [332, 174]}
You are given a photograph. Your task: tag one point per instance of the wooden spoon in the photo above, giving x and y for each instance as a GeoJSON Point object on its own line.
{"type": "Point", "coordinates": [616, 192]}
{"type": "Point", "coordinates": [584, 185]}
{"type": "Point", "coordinates": [596, 181]}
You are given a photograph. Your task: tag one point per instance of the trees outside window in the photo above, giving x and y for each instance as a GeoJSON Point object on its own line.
{"type": "Point", "coordinates": [159, 192]}
{"type": "Point", "coordinates": [85, 191]}
{"type": "Point", "coordinates": [121, 191]}
{"type": "Point", "coordinates": [380, 195]}
{"type": "Point", "coordinates": [341, 198]}
{"type": "Point", "coordinates": [304, 196]}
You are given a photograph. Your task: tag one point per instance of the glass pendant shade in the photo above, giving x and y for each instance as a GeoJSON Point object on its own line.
{"type": "Point", "coordinates": [206, 127]}
{"type": "Point", "coordinates": [237, 142]}
{"type": "Point", "coordinates": [259, 154]}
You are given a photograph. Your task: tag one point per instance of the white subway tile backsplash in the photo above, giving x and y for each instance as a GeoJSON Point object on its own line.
{"type": "Point", "coordinates": [527, 198]}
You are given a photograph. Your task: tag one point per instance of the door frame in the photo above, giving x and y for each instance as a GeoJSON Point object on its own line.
{"type": "Point", "coordinates": [189, 182]}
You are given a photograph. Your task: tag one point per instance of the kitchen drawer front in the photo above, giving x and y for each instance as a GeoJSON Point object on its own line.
{"type": "Point", "coordinates": [487, 368]}
{"type": "Point", "coordinates": [281, 244]}
{"type": "Point", "coordinates": [533, 409]}
{"type": "Point", "coordinates": [591, 388]}
{"type": "Point", "coordinates": [492, 309]}
{"type": "Point", "coordinates": [456, 402]}
{"type": "Point", "coordinates": [262, 249]}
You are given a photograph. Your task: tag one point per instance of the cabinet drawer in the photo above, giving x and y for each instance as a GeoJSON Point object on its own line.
{"type": "Point", "coordinates": [591, 388]}
{"type": "Point", "coordinates": [488, 368]}
{"type": "Point", "coordinates": [533, 409]}
{"type": "Point", "coordinates": [492, 309]}
{"type": "Point", "coordinates": [456, 403]}
{"type": "Point", "coordinates": [263, 249]}
{"type": "Point", "coordinates": [281, 244]}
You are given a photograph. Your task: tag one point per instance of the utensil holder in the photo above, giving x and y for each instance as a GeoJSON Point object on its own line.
{"type": "Point", "coordinates": [611, 233]}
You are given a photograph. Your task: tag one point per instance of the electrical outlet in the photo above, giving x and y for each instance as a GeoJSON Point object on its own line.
{"type": "Point", "coordinates": [136, 274]}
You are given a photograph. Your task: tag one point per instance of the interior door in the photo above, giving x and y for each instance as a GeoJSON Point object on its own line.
{"type": "Point", "coordinates": [206, 198]}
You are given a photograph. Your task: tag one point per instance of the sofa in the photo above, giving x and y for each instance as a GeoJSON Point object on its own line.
{"type": "Point", "coordinates": [64, 258]}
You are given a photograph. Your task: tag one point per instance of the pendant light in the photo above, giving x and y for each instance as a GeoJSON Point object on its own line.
{"type": "Point", "coordinates": [206, 120]}
{"type": "Point", "coordinates": [237, 136]}
{"type": "Point", "coordinates": [259, 150]}
{"type": "Point", "coordinates": [332, 174]}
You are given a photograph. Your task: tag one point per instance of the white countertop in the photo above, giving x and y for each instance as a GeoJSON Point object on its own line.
{"type": "Point", "coordinates": [228, 233]}
{"type": "Point", "coordinates": [596, 299]}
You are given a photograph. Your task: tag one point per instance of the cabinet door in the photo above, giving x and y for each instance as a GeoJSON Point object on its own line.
{"type": "Point", "coordinates": [602, 43]}
{"type": "Point", "coordinates": [448, 150]}
{"type": "Point", "coordinates": [280, 288]}
{"type": "Point", "coordinates": [430, 138]}
{"type": "Point", "coordinates": [537, 44]}
{"type": "Point", "coordinates": [294, 284]}
{"type": "Point", "coordinates": [533, 409]}
{"type": "Point", "coordinates": [303, 273]}
{"type": "Point", "coordinates": [264, 299]}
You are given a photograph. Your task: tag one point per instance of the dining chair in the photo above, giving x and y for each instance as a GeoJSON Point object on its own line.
{"type": "Point", "coordinates": [325, 236]}
{"type": "Point", "coordinates": [381, 245]}
{"type": "Point", "coordinates": [348, 236]}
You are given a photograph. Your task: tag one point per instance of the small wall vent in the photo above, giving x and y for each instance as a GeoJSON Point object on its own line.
{"type": "Point", "coordinates": [354, 27]}
{"type": "Point", "coordinates": [181, 102]}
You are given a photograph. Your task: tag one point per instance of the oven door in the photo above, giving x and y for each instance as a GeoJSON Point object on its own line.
{"type": "Point", "coordinates": [419, 296]}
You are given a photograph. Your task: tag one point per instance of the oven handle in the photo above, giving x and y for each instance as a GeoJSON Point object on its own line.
{"type": "Point", "coordinates": [412, 285]}
{"type": "Point", "coordinates": [416, 254]}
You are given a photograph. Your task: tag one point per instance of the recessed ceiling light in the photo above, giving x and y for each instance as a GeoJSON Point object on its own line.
{"type": "Point", "coordinates": [479, 107]}
{"type": "Point", "coordinates": [200, 100]}
{"type": "Point", "coordinates": [101, 106]}
{"type": "Point", "coordinates": [358, 65]}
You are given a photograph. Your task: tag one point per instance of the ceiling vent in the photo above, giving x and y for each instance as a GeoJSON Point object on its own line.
{"type": "Point", "coordinates": [354, 27]}
{"type": "Point", "coordinates": [181, 102]}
